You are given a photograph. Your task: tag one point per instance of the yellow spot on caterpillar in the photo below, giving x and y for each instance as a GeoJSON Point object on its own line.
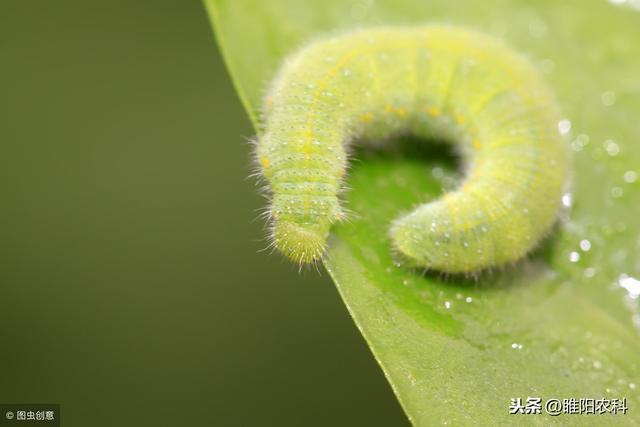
{"type": "Point", "coordinates": [459, 119]}
{"type": "Point", "coordinates": [476, 143]}
{"type": "Point", "coordinates": [265, 162]}
{"type": "Point", "coordinates": [367, 117]}
{"type": "Point", "coordinates": [388, 108]}
{"type": "Point", "coordinates": [401, 112]}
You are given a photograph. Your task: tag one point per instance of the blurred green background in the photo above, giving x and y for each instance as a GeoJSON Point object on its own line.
{"type": "Point", "coordinates": [131, 287]}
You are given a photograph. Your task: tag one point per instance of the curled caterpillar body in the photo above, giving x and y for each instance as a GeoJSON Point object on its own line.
{"type": "Point", "coordinates": [437, 82]}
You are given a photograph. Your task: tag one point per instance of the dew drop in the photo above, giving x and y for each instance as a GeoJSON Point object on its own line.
{"type": "Point", "coordinates": [582, 139]}
{"type": "Point", "coordinates": [447, 305]}
{"type": "Point", "coordinates": [437, 172]}
{"type": "Point", "coordinates": [608, 98]}
{"type": "Point", "coordinates": [616, 192]}
{"type": "Point", "coordinates": [567, 200]}
{"type": "Point", "coordinates": [564, 126]}
{"type": "Point", "coordinates": [611, 147]}
{"type": "Point", "coordinates": [630, 177]}
{"type": "Point", "coordinates": [589, 272]}
{"type": "Point", "coordinates": [574, 256]}
{"type": "Point", "coordinates": [469, 300]}
{"type": "Point", "coordinates": [575, 146]}
{"type": "Point", "coordinates": [630, 284]}
{"type": "Point", "coordinates": [585, 245]}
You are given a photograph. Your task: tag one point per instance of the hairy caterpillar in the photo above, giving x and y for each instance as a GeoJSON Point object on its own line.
{"type": "Point", "coordinates": [431, 81]}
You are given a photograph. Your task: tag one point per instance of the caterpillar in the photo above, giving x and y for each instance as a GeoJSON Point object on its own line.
{"type": "Point", "coordinates": [433, 81]}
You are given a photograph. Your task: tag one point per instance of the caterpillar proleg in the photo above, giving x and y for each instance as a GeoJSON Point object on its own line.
{"type": "Point", "coordinates": [434, 81]}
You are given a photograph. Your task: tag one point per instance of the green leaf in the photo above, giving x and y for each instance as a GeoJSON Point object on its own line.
{"type": "Point", "coordinates": [456, 351]}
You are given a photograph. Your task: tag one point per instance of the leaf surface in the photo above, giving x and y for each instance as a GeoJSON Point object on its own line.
{"type": "Point", "coordinates": [561, 324]}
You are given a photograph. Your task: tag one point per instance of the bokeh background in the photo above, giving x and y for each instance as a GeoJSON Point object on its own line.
{"type": "Point", "coordinates": [131, 285]}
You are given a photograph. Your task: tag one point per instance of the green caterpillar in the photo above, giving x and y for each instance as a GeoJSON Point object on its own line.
{"type": "Point", "coordinates": [430, 81]}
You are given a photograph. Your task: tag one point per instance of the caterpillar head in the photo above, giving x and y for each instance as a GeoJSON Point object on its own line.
{"type": "Point", "coordinates": [304, 243]}
{"type": "Point", "coordinates": [302, 222]}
